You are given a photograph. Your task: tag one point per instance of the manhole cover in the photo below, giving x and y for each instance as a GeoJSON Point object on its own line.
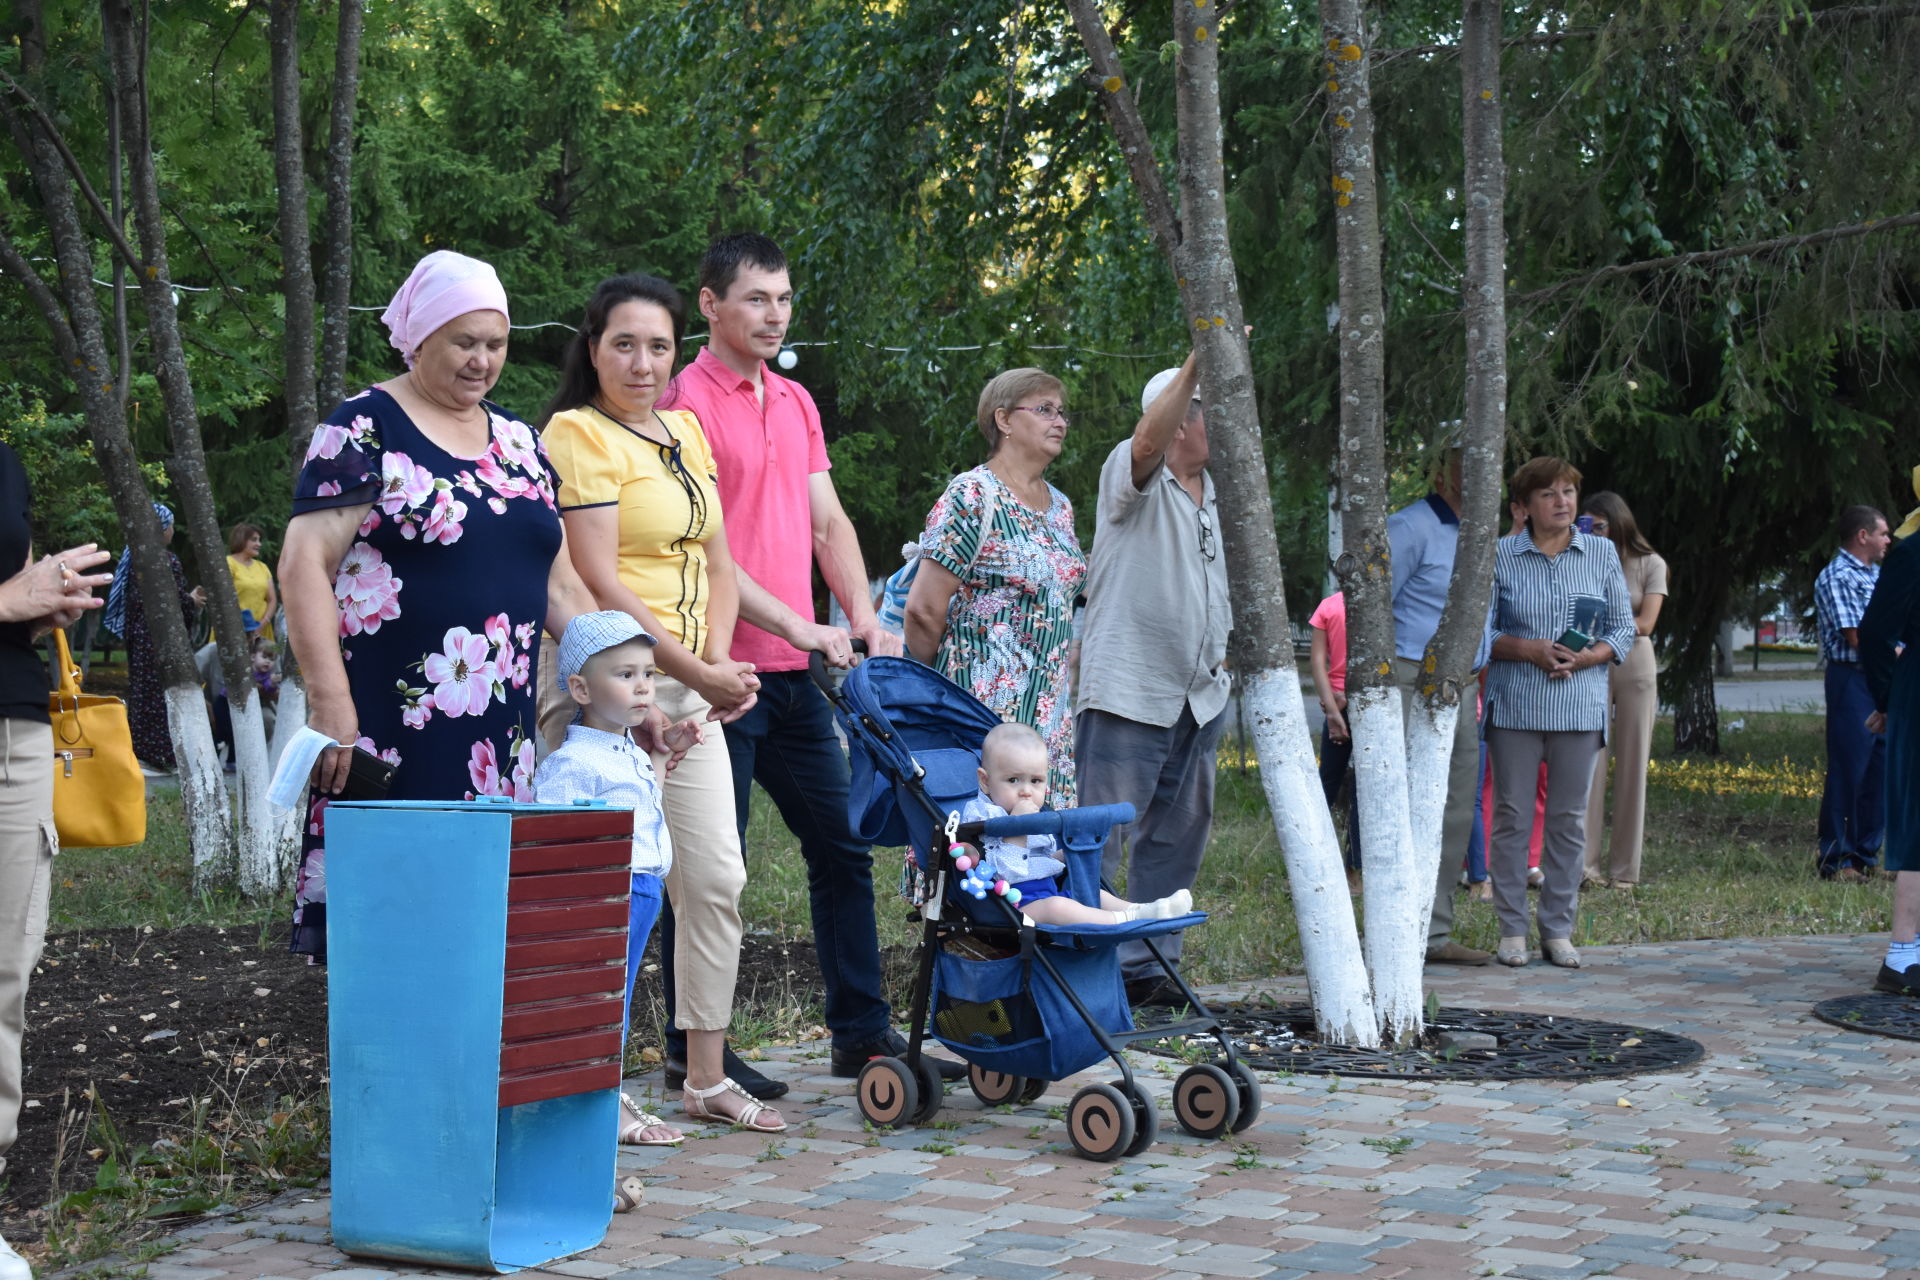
{"type": "Point", "coordinates": [1527, 1046]}
{"type": "Point", "coordinates": [1873, 1012]}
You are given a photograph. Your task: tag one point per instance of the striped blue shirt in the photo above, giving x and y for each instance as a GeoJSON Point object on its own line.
{"type": "Point", "coordinates": [1840, 596]}
{"type": "Point", "coordinates": [593, 764]}
{"type": "Point", "coordinates": [1536, 597]}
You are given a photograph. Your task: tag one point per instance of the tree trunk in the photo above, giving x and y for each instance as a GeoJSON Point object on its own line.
{"type": "Point", "coordinates": [1447, 689]}
{"type": "Point", "coordinates": [296, 238]}
{"type": "Point", "coordinates": [1200, 255]}
{"type": "Point", "coordinates": [1396, 927]}
{"type": "Point", "coordinates": [1696, 714]}
{"type": "Point", "coordinates": [79, 332]}
{"type": "Point", "coordinates": [188, 465]}
{"type": "Point", "coordinates": [336, 265]}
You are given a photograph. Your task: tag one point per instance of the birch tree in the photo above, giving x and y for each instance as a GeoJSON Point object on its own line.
{"type": "Point", "coordinates": [1195, 241]}
{"type": "Point", "coordinates": [74, 320]}
{"type": "Point", "coordinates": [127, 41]}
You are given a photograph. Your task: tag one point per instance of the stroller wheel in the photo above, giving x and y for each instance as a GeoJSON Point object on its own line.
{"type": "Point", "coordinates": [1249, 1088]}
{"type": "Point", "coordinates": [1100, 1122]}
{"type": "Point", "coordinates": [1146, 1118]}
{"type": "Point", "coordinates": [1206, 1101]}
{"type": "Point", "coordinates": [933, 1091]}
{"type": "Point", "coordinates": [888, 1094]}
{"type": "Point", "coordinates": [1034, 1087]}
{"type": "Point", "coordinates": [996, 1088]}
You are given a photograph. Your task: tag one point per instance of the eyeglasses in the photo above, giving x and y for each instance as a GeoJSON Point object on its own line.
{"type": "Point", "coordinates": [1207, 547]}
{"type": "Point", "coordinates": [1045, 412]}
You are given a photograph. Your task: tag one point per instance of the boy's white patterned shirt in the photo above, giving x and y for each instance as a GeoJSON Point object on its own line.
{"type": "Point", "coordinates": [593, 764]}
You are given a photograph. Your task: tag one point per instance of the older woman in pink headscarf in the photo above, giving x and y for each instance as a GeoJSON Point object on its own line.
{"type": "Point", "coordinates": [424, 558]}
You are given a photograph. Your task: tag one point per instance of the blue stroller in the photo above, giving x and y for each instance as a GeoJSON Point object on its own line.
{"type": "Point", "coordinates": [1024, 1004]}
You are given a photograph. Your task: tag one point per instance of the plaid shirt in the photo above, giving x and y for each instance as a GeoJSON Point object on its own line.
{"type": "Point", "coordinates": [595, 765]}
{"type": "Point", "coordinates": [1840, 596]}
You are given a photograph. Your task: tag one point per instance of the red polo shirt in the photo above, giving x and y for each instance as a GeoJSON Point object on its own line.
{"type": "Point", "coordinates": [765, 454]}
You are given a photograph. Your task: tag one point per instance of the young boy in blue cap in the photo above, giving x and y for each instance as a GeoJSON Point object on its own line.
{"type": "Point", "coordinates": [606, 665]}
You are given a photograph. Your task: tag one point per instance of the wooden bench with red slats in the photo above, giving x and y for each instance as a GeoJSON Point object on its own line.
{"type": "Point", "coordinates": [567, 901]}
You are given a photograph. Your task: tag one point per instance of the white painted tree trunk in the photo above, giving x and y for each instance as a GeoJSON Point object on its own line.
{"type": "Point", "coordinates": [259, 864]}
{"type": "Point", "coordinates": [1397, 905]}
{"type": "Point", "coordinates": [1329, 941]}
{"type": "Point", "coordinates": [1430, 730]}
{"type": "Point", "coordinates": [289, 718]}
{"type": "Point", "coordinates": [203, 789]}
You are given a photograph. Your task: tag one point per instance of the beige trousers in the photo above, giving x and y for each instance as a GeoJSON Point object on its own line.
{"type": "Point", "coordinates": [1636, 701]}
{"type": "Point", "coordinates": [27, 846]}
{"type": "Point", "coordinates": [708, 871]}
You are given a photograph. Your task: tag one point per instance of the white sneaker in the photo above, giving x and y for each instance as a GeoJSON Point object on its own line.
{"type": "Point", "coordinates": [12, 1265]}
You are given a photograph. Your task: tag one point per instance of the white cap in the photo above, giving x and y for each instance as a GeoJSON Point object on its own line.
{"type": "Point", "coordinates": [1156, 385]}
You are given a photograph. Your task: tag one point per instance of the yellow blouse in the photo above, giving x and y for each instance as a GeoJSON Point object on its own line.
{"type": "Point", "coordinates": [668, 506]}
{"type": "Point", "coordinates": [252, 580]}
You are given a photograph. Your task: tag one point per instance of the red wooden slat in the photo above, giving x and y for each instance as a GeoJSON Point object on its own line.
{"type": "Point", "coordinates": [529, 919]}
{"type": "Point", "coordinates": [537, 1086]}
{"type": "Point", "coordinates": [556, 984]}
{"type": "Point", "coordinates": [584, 948]}
{"type": "Point", "coordinates": [586, 824]}
{"type": "Point", "coordinates": [569, 884]}
{"type": "Point", "coordinates": [551, 1051]}
{"type": "Point", "coordinates": [598, 1013]}
{"type": "Point", "coordinates": [601, 855]}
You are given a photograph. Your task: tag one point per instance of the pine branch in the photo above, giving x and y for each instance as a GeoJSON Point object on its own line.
{"type": "Point", "coordinates": [1547, 39]}
{"type": "Point", "coordinates": [1123, 113]}
{"type": "Point", "coordinates": [1706, 257]}
{"type": "Point", "coordinates": [79, 175]}
{"type": "Point", "coordinates": [15, 264]}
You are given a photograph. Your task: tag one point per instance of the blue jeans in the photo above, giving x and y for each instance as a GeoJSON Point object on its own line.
{"type": "Point", "coordinates": [643, 908]}
{"type": "Point", "coordinates": [786, 743]}
{"type": "Point", "coordinates": [1853, 810]}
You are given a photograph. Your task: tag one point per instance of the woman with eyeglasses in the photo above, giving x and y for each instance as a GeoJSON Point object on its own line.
{"type": "Point", "coordinates": [1633, 699]}
{"type": "Point", "coordinates": [642, 513]}
{"type": "Point", "coordinates": [992, 603]}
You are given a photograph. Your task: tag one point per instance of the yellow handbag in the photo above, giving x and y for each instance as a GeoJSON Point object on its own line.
{"type": "Point", "coordinates": [99, 793]}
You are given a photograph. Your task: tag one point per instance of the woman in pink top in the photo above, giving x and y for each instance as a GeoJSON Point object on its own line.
{"type": "Point", "coordinates": [1329, 623]}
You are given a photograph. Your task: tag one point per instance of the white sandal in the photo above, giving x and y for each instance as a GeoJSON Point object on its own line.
{"type": "Point", "coordinates": [627, 1192]}
{"type": "Point", "coordinates": [694, 1102]}
{"type": "Point", "coordinates": [635, 1122]}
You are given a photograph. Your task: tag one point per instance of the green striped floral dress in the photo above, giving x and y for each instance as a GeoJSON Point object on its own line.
{"type": "Point", "coordinates": [1010, 623]}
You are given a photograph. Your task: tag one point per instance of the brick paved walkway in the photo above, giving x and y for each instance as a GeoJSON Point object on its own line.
{"type": "Point", "coordinates": [1786, 1151]}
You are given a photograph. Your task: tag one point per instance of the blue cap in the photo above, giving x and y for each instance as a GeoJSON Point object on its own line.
{"type": "Point", "coordinates": [248, 622]}
{"type": "Point", "coordinates": [591, 633]}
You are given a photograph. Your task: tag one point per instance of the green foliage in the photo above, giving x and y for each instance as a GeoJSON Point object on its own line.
{"type": "Point", "coordinates": [70, 501]}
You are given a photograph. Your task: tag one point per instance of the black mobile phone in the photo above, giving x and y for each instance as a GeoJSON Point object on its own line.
{"type": "Point", "coordinates": [368, 777]}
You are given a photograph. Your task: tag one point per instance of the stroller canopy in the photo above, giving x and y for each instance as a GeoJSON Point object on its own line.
{"type": "Point", "coordinates": [907, 722]}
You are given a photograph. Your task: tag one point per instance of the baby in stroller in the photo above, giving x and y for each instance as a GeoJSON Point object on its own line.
{"type": "Point", "coordinates": [1013, 781]}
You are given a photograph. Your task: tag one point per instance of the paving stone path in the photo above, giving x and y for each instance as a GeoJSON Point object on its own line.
{"type": "Point", "coordinates": [1786, 1151]}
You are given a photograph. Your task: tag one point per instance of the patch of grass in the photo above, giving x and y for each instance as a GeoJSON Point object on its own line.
{"type": "Point", "coordinates": [233, 1145]}
{"type": "Point", "coordinates": [151, 884]}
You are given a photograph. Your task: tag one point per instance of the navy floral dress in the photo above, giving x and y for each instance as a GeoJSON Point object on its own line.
{"type": "Point", "coordinates": [441, 598]}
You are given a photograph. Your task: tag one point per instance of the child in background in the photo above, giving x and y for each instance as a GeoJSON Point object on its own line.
{"type": "Point", "coordinates": [606, 666]}
{"type": "Point", "coordinates": [1013, 781]}
{"type": "Point", "coordinates": [1329, 660]}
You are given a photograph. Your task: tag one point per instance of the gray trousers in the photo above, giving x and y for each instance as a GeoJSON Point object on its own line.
{"type": "Point", "coordinates": [1167, 776]}
{"type": "Point", "coordinates": [27, 844]}
{"type": "Point", "coordinates": [1515, 756]}
{"type": "Point", "coordinates": [1462, 782]}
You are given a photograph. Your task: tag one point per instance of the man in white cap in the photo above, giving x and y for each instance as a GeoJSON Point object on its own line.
{"type": "Point", "coordinates": [1153, 691]}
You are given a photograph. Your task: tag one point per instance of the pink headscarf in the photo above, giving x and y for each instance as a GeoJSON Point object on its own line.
{"type": "Point", "coordinates": [443, 285]}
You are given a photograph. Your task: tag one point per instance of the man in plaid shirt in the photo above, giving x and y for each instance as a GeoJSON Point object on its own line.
{"type": "Point", "coordinates": [1853, 811]}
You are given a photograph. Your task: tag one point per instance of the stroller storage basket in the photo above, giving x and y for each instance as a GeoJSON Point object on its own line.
{"type": "Point", "coordinates": [1009, 1015]}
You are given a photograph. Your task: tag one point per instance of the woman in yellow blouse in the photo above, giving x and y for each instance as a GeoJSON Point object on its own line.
{"type": "Point", "coordinates": [643, 527]}
{"type": "Point", "coordinates": [252, 580]}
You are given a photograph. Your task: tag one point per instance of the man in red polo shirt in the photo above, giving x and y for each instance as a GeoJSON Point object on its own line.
{"type": "Point", "coordinates": [782, 517]}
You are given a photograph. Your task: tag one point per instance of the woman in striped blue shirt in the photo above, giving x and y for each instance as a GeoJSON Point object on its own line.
{"type": "Point", "coordinates": [1561, 617]}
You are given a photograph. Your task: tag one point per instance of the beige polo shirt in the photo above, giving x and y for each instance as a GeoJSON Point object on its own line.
{"type": "Point", "coordinates": [1154, 635]}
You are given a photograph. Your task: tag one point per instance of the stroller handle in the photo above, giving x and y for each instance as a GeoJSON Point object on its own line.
{"type": "Point", "coordinates": [823, 674]}
{"type": "Point", "coordinates": [1055, 822]}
